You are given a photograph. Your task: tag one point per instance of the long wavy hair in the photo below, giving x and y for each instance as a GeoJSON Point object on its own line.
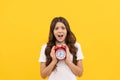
{"type": "Point", "coordinates": [69, 40]}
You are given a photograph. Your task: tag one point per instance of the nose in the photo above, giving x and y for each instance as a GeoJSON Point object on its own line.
{"type": "Point", "coordinates": [60, 30]}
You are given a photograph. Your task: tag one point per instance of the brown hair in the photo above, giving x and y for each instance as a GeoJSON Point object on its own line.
{"type": "Point", "coordinates": [69, 40]}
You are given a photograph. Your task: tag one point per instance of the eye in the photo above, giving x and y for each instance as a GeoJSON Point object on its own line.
{"type": "Point", "coordinates": [63, 27]}
{"type": "Point", "coordinates": [56, 28]}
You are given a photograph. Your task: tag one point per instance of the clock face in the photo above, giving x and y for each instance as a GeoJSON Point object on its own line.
{"type": "Point", "coordinates": [60, 54]}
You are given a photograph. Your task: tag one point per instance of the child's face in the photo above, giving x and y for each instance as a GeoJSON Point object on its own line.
{"type": "Point", "coordinates": [60, 32]}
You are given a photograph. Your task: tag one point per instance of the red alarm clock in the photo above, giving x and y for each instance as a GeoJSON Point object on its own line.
{"type": "Point", "coordinates": [60, 52]}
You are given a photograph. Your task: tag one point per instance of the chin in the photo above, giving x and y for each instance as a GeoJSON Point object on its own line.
{"type": "Point", "coordinates": [60, 41]}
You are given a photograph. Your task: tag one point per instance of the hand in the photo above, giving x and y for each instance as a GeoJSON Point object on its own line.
{"type": "Point", "coordinates": [68, 54]}
{"type": "Point", "coordinates": [52, 54]}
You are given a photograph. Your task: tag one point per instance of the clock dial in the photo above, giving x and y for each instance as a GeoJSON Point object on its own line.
{"type": "Point", "coordinates": [60, 54]}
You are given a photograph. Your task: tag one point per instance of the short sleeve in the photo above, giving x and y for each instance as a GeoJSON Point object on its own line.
{"type": "Point", "coordinates": [42, 57]}
{"type": "Point", "coordinates": [79, 52]}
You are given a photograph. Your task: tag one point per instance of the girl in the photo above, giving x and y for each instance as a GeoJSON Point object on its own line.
{"type": "Point", "coordinates": [68, 68]}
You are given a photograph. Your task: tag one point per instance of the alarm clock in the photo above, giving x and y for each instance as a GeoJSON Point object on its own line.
{"type": "Point", "coordinates": [60, 52]}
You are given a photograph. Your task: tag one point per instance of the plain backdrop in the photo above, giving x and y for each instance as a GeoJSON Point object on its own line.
{"type": "Point", "coordinates": [24, 28]}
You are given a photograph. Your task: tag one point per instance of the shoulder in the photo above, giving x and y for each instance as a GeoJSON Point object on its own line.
{"type": "Point", "coordinates": [44, 46]}
{"type": "Point", "coordinates": [77, 44]}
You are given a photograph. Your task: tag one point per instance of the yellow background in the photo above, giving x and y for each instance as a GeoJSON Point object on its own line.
{"type": "Point", "coordinates": [24, 27]}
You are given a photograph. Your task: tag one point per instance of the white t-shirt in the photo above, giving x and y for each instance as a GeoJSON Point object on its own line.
{"type": "Point", "coordinates": [62, 71]}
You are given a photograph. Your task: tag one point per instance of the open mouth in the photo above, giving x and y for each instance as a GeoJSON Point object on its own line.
{"type": "Point", "coordinates": [60, 35]}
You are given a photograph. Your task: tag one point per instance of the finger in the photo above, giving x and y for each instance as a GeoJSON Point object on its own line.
{"type": "Point", "coordinates": [67, 47]}
{"type": "Point", "coordinates": [53, 49]}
